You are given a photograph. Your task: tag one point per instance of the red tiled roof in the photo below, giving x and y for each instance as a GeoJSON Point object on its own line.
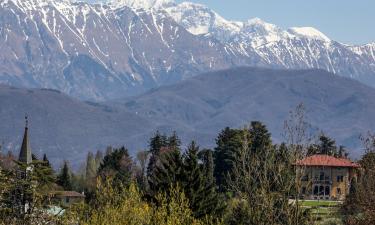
{"type": "Point", "coordinates": [326, 160]}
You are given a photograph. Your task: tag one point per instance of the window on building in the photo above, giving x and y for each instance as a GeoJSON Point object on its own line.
{"type": "Point", "coordinates": [67, 199]}
{"type": "Point", "coordinates": [327, 191]}
{"type": "Point", "coordinates": [316, 190]}
{"type": "Point", "coordinates": [303, 190]}
{"type": "Point", "coordinates": [339, 191]}
{"type": "Point", "coordinates": [305, 178]}
{"type": "Point", "coordinates": [321, 177]}
{"type": "Point", "coordinates": [340, 179]}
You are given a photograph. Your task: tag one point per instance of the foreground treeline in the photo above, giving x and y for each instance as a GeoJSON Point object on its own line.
{"type": "Point", "coordinates": [245, 179]}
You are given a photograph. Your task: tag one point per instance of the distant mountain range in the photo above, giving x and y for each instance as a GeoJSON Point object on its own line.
{"type": "Point", "coordinates": [198, 108]}
{"type": "Point", "coordinates": [125, 47]}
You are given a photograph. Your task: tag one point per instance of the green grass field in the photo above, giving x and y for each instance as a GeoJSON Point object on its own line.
{"type": "Point", "coordinates": [324, 212]}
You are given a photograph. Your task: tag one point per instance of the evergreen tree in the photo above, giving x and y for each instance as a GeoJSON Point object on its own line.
{"type": "Point", "coordinates": [64, 178]}
{"type": "Point", "coordinates": [342, 152]}
{"type": "Point", "coordinates": [260, 138]}
{"type": "Point", "coordinates": [98, 159]}
{"type": "Point", "coordinates": [228, 144]}
{"type": "Point", "coordinates": [201, 193]}
{"type": "Point", "coordinates": [44, 170]}
{"type": "Point", "coordinates": [90, 166]}
{"type": "Point", "coordinates": [192, 178]}
{"type": "Point", "coordinates": [165, 162]}
{"type": "Point", "coordinates": [166, 170]}
{"type": "Point", "coordinates": [206, 156]}
{"type": "Point", "coordinates": [156, 144]}
{"type": "Point", "coordinates": [117, 165]}
{"type": "Point", "coordinates": [327, 146]}
{"type": "Point", "coordinates": [174, 142]}
{"type": "Point", "coordinates": [46, 161]}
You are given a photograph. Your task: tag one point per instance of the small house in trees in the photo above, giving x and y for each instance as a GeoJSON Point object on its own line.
{"type": "Point", "coordinates": [326, 177]}
{"type": "Point", "coordinates": [67, 198]}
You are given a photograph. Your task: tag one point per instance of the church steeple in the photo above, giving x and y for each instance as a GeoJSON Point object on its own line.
{"type": "Point", "coordinates": [25, 152]}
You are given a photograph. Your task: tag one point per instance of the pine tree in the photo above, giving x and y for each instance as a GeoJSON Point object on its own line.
{"type": "Point", "coordinates": [117, 165]}
{"type": "Point", "coordinates": [206, 156]}
{"type": "Point", "coordinates": [166, 171]}
{"type": "Point", "coordinates": [228, 144]}
{"type": "Point", "coordinates": [192, 179]}
{"type": "Point", "coordinates": [199, 189]}
{"type": "Point", "coordinates": [327, 146]}
{"type": "Point", "coordinates": [156, 144]}
{"type": "Point", "coordinates": [260, 138]}
{"type": "Point", "coordinates": [174, 142]}
{"type": "Point", "coordinates": [64, 178]}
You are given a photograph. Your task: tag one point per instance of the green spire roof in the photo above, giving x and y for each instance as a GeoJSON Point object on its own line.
{"type": "Point", "coordinates": [25, 152]}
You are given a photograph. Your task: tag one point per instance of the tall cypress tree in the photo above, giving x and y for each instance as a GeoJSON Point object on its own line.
{"type": "Point", "coordinates": [90, 166]}
{"type": "Point", "coordinates": [64, 178]}
{"type": "Point", "coordinates": [98, 159]}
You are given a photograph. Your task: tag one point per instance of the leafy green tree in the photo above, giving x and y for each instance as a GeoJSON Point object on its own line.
{"type": "Point", "coordinates": [64, 178]}
{"type": "Point", "coordinates": [25, 194]}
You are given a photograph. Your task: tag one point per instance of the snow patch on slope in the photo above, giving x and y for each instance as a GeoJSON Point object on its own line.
{"type": "Point", "coordinates": [141, 4]}
{"type": "Point", "coordinates": [308, 32]}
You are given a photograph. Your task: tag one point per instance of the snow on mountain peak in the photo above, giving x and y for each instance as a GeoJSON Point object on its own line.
{"type": "Point", "coordinates": [199, 20]}
{"type": "Point", "coordinates": [141, 4]}
{"type": "Point", "coordinates": [260, 26]}
{"type": "Point", "coordinates": [308, 32]}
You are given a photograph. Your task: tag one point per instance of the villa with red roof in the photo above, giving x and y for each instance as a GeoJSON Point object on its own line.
{"type": "Point", "coordinates": [326, 177]}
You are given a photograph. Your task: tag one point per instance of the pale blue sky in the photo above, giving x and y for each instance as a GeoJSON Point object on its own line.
{"type": "Point", "coordinates": [347, 21]}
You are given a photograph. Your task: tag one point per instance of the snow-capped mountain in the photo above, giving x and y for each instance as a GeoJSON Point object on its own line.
{"type": "Point", "coordinates": [122, 47]}
{"type": "Point", "coordinates": [141, 4]}
{"type": "Point", "coordinates": [296, 47]}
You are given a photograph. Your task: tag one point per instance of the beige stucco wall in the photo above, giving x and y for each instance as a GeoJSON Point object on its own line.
{"type": "Point", "coordinates": [330, 179]}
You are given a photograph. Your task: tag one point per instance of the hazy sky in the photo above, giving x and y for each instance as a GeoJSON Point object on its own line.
{"type": "Point", "coordinates": [347, 21]}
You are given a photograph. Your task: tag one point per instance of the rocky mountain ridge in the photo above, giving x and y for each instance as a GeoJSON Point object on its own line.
{"type": "Point", "coordinates": [125, 47]}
